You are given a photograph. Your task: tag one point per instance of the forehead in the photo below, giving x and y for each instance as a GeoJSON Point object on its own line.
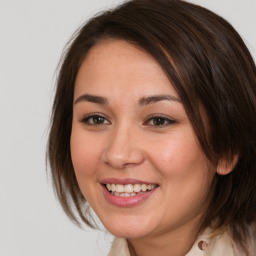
{"type": "Point", "coordinates": [117, 65]}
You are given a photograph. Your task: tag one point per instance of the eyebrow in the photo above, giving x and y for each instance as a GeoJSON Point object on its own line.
{"type": "Point", "coordinates": [91, 98]}
{"type": "Point", "coordinates": [142, 101]}
{"type": "Point", "coordinates": [156, 98]}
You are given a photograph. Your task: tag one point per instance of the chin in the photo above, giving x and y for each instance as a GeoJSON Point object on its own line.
{"type": "Point", "coordinates": [128, 229]}
{"type": "Point", "coordinates": [128, 233]}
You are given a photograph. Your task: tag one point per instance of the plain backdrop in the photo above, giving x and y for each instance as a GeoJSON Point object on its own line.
{"type": "Point", "coordinates": [32, 36]}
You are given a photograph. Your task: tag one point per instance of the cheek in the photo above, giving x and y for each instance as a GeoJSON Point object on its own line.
{"type": "Point", "coordinates": [186, 177]}
{"type": "Point", "coordinates": [85, 153]}
{"type": "Point", "coordinates": [178, 154]}
{"type": "Point", "coordinates": [183, 167]}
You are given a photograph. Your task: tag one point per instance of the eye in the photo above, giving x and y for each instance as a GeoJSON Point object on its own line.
{"type": "Point", "coordinates": [159, 120]}
{"type": "Point", "coordinates": [95, 119]}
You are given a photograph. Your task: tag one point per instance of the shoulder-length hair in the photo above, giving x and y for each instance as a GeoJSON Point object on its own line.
{"type": "Point", "coordinates": [209, 66]}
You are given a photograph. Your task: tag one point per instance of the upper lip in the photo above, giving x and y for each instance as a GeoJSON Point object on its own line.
{"type": "Point", "coordinates": [124, 181]}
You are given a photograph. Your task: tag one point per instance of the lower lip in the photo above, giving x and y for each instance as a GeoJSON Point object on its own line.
{"type": "Point", "coordinates": [126, 201]}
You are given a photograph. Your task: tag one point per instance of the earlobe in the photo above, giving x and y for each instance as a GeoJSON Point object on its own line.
{"type": "Point", "coordinates": [226, 166]}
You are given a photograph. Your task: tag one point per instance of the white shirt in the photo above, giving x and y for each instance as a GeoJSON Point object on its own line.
{"type": "Point", "coordinates": [205, 245]}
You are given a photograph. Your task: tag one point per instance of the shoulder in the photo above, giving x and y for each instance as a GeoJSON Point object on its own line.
{"type": "Point", "coordinates": [222, 244]}
{"type": "Point", "coordinates": [250, 242]}
{"type": "Point", "coordinates": [212, 244]}
{"type": "Point", "coordinates": [208, 244]}
{"type": "Point", "coordinates": [119, 247]}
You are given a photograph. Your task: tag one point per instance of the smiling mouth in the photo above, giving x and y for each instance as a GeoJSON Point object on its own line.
{"type": "Point", "coordinates": [129, 190]}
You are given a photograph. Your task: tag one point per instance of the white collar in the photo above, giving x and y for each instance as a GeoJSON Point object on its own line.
{"type": "Point", "coordinates": [205, 245]}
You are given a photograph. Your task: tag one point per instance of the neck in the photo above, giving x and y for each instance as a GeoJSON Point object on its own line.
{"type": "Point", "coordinates": [178, 242]}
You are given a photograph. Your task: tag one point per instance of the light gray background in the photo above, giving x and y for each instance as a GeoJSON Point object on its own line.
{"type": "Point", "coordinates": [32, 36]}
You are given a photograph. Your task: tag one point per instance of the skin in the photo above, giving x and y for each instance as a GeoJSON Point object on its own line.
{"type": "Point", "coordinates": [129, 142]}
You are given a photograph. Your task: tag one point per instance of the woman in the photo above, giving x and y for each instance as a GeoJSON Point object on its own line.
{"type": "Point", "coordinates": [153, 126]}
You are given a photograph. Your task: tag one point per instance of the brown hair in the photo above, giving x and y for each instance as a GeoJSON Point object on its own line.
{"type": "Point", "coordinates": [208, 64]}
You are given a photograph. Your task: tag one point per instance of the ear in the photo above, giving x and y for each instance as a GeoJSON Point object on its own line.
{"type": "Point", "coordinates": [226, 166]}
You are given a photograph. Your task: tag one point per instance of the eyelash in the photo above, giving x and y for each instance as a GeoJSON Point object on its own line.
{"type": "Point", "coordinates": [163, 120]}
{"type": "Point", "coordinates": [86, 119]}
{"type": "Point", "coordinates": [159, 117]}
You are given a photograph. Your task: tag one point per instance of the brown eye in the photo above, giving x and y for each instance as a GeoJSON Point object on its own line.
{"type": "Point", "coordinates": [95, 120]}
{"type": "Point", "coordinates": [159, 121]}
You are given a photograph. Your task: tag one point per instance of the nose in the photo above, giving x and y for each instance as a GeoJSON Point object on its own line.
{"type": "Point", "coordinates": [123, 149]}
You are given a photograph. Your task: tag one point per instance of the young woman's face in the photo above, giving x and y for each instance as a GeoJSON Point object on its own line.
{"type": "Point", "coordinates": [135, 154]}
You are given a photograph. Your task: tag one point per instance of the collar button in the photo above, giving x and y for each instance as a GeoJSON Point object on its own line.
{"type": "Point", "coordinates": [202, 245]}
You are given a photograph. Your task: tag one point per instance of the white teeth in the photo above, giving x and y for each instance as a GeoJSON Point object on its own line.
{"type": "Point", "coordinates": [136, 188]}
{"type": "Point", "coordinates": [144, 187]}
{"type": "Point", "coordinates": [125, 194]}
{"type": "Point", "coordinates": [129, 189]}
{"type": "Point", "coordinates": [119, 188]}
{"type": "Point", "coordinates": [112, 187]}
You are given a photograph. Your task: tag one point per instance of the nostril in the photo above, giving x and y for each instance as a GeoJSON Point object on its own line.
{"type": "Point", "coordinates": [123, 157]}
